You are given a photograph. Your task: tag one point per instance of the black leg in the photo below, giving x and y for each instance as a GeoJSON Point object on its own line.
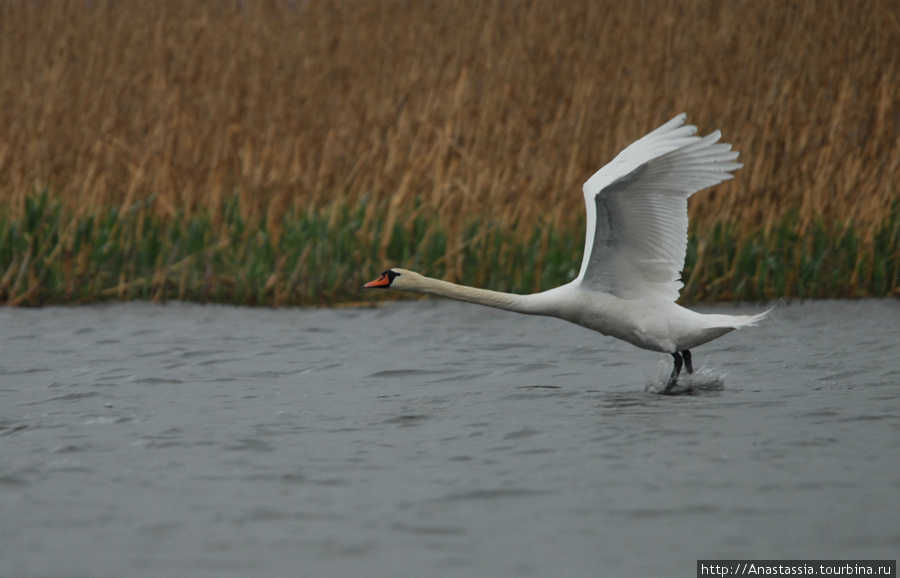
{"type": "Point", "coordinates": [687, 361]}
{"type": "Point", "coordinates": [673, 379]}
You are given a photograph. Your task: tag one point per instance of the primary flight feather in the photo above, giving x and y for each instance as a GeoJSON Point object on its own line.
{"type": "Point", "coordinates": [635, 243]}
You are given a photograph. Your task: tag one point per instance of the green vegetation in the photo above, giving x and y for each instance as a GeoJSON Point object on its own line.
{"type": "Point", "coordinates": [324, 257]}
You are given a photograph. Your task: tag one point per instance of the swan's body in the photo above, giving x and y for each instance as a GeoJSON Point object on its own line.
{"type": "Point", "coordinates": [634, 250]}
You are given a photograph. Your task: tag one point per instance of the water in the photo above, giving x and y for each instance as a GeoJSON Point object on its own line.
{"type": "Point", "coordinates": [437, 439]}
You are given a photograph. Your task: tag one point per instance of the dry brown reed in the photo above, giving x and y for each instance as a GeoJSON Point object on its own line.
{"type": "Point", "coordinates": [450, 109]}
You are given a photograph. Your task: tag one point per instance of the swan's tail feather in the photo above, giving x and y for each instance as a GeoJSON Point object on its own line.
{"type": "Point", "coordinates": [706, 327]}
{"type": "Point", "coordinates": [751, 320]}
{"type": "Point", "coordinates": [722, 324]}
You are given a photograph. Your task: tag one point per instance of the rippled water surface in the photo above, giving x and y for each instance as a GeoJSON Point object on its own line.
{"type": "Point", "coordinates": [435, 438]}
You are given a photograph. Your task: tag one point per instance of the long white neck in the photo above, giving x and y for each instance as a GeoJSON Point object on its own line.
{"type": "Point", "coordinates": [412, 281]}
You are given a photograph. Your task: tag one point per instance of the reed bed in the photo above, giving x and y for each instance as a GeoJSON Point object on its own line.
{"type": "Point", "coordinates": [283, 152]}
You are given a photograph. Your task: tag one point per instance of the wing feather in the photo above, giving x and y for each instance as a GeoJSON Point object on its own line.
{"type": "Point", "coordinates": [637, 218]}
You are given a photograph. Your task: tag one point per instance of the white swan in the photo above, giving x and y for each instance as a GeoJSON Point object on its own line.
{"type": "Point", "coordinates": [634, 249]}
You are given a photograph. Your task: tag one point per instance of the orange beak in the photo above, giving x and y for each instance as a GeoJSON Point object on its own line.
{"type": "Point", "coordinates": [382, 281]}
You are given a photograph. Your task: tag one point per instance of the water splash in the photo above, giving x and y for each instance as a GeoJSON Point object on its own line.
{"type": "Point", "coordinates": [704, 381]}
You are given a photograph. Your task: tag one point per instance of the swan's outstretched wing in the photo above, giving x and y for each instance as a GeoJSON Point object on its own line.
{"type": "Point", "coordinates": [637, 220]}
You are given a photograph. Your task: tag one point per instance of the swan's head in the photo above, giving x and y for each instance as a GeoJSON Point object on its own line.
{"type": "Point", "coordinates": [394, 279]}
